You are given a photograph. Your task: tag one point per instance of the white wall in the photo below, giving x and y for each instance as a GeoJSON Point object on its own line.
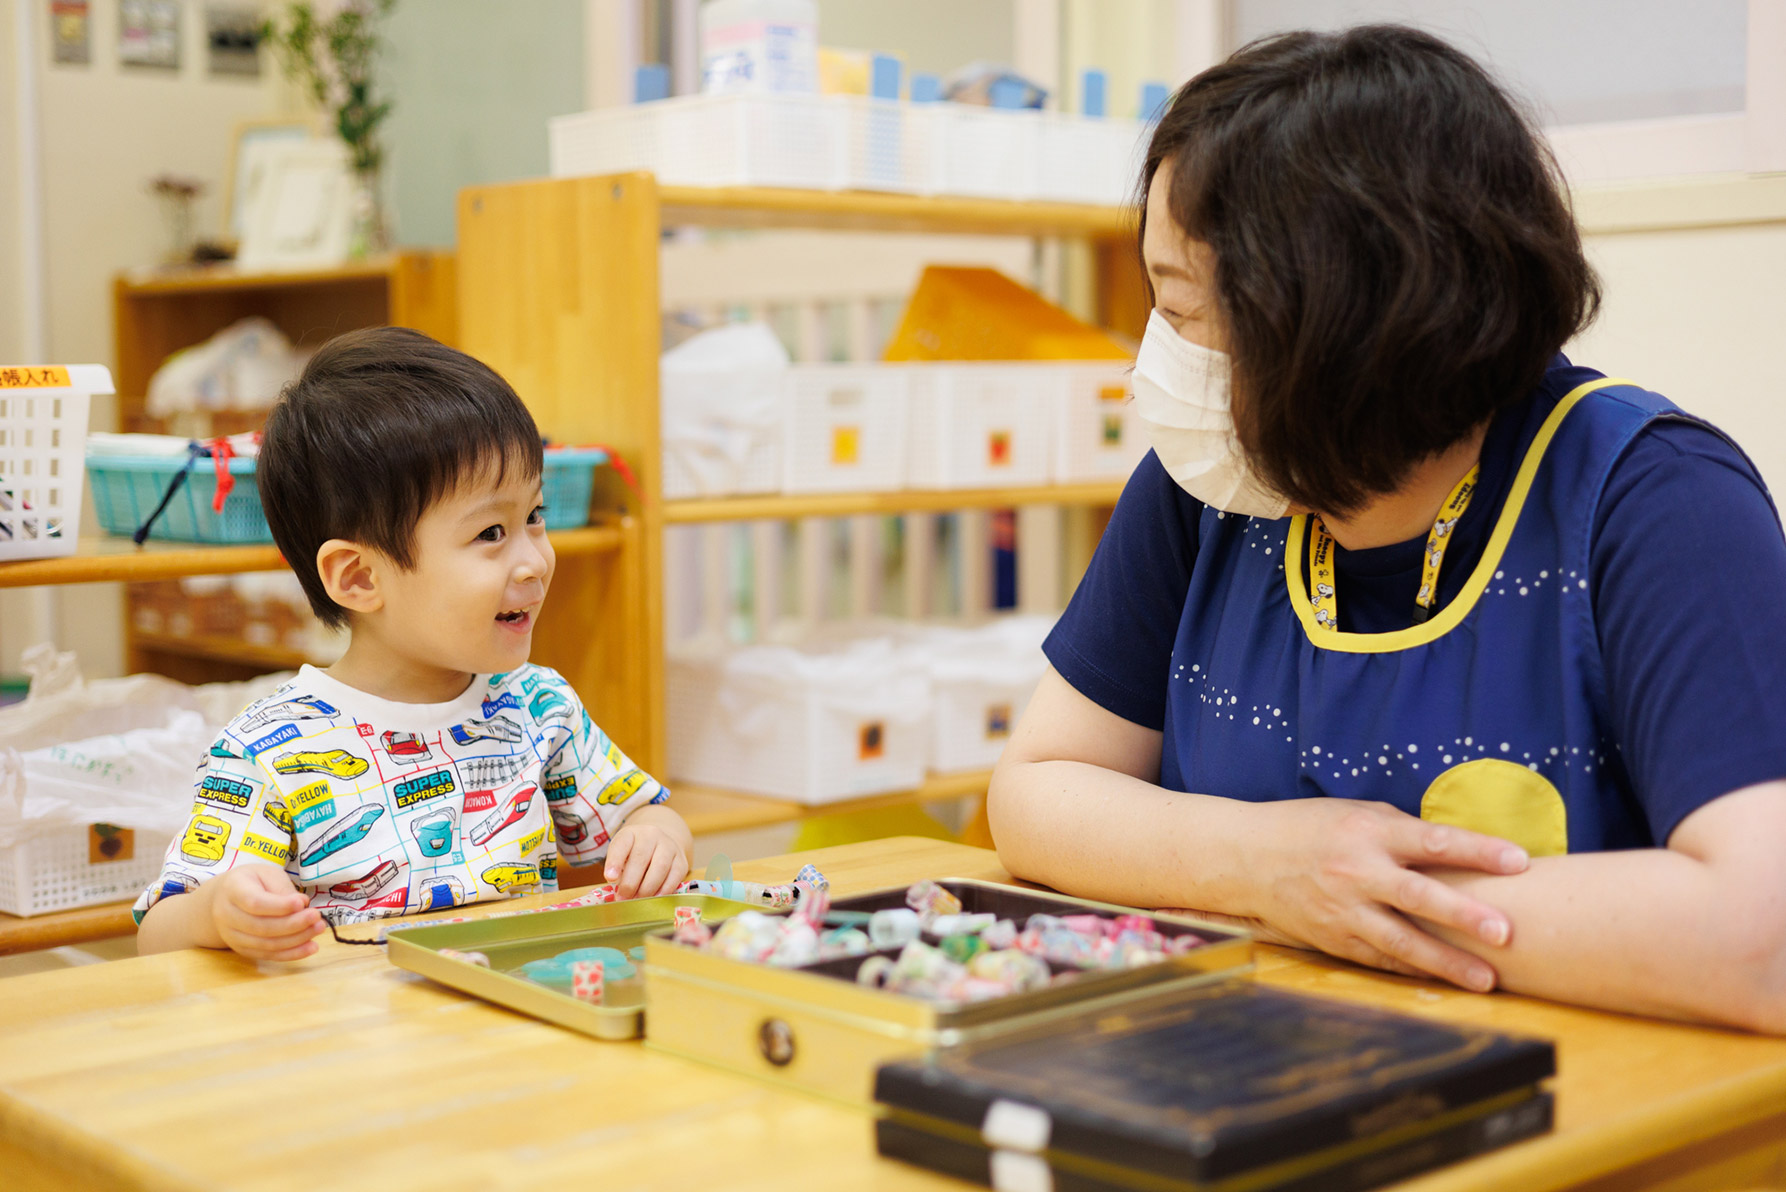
{"type": "Point", "coordinates": [105, 131]}
{"type": "Point", "coordinates": [1697, 313]}
{"type": "Point", "coordinates": [12, 346]}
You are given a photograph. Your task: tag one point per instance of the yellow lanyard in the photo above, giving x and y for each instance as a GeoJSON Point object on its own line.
{"type": "Point", "coordinates": [1322, 595]}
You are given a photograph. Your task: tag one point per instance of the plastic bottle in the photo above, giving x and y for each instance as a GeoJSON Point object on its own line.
{"type": "Point", "coordinates": [760, 45]}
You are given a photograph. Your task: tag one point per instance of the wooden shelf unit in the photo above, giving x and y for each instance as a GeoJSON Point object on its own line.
{"type": "Point", "coordinates": [159, 312]}
{"type": "Point", "coordinates": [559, 292]}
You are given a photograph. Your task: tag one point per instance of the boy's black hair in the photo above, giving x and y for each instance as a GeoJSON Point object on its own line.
{"type": "Point", "coordinates": [381, 424]}
{"type": "Point", "coordinates": [1395, 258]}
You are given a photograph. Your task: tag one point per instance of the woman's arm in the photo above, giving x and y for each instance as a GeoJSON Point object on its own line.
{"type": "Point", "coordinates": [1074, 805]}
{"type": "Point", "coordinates": [1696, 930]}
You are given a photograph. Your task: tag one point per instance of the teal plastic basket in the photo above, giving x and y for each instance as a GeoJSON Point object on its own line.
{"type": "Point", "coordinates": [568, 481]}
{"type": "Point", "coordinates": [126, 489]}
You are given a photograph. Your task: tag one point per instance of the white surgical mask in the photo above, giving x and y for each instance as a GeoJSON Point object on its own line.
{"type": "Point", "coordinates": [1182, 396]}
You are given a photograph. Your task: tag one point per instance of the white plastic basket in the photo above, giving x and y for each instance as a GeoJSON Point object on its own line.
{"type": "Point", "coordinates": [812, 727]}
{"type": "Point", "coordinates": [43, 439]}
{"type": "Point", "coordinates": [845, 428]}
{"type": "Point", "coordinates": [981, 425]}
{"type": "Point", "coordinates": [1098, 435]}
{"type": "Point", "coordinates": [1086, 160]}
{"type": "Point", "coordinates": [981, 680]}
{"type": "Point", "coordinates": [887, 145]}
{"type": "Point", "coordinates": [54, 872]}
{"type": "Point", "coordinates": [987, 153]}
{"type": "Point", "coordinates": [761, 139]}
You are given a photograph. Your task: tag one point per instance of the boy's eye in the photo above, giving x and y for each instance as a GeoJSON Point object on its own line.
{"type": "Point", "coordinates": [538, 516]}
{"type": "Point", "coordinates": [490, 533]}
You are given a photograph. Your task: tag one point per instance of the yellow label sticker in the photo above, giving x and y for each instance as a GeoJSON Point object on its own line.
{"type": "Point", "coordinates": [276, 851]}
{"type": "Point", "coordinates": [15, 376]}
{"type": "Point", "coordinates": [106, 843]}
{"type": "Point", "coordinates": [532, 841]}
{"type": "Point", "coordinates": [846, 445]}
{"type": "Point", "coordinates": [304, 797]}
{"type": "Point", "coordinates": [1113, 393]}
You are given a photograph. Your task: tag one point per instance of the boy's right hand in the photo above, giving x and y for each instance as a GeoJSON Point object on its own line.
{"type": "Point", "coordinates": [260, 914]}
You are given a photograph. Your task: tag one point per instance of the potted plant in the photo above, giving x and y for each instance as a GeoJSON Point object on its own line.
{"type": "Point", "coordinates": [333, 58]}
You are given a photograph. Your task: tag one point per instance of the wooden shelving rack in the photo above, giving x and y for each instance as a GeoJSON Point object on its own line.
{"type": "Point", "coordinates": [559, 292]}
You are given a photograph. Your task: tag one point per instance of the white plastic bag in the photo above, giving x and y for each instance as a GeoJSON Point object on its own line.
{"type": "Point", "coordinates": [242, 367]}
{"type": "Point", "coordinates": [723, 393]}
{"type": "Point", "coordinates": [117, 751]}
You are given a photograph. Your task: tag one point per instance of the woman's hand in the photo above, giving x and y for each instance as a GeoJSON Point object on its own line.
{"type": "Point", "coordinates": [1344, 876]}
{"type": "Point", "coordinates": [260, 914]}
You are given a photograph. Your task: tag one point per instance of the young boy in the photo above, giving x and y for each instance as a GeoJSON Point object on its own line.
{"type": "Point", "coordinates": [401, 480]}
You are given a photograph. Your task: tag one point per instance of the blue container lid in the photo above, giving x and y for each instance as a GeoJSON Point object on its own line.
{"type": "Point", "coordinates": [167, 464]}
{"type": "Point", "coordinates": [576, 455]}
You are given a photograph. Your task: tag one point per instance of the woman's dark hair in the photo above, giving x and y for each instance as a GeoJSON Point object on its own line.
{"type": "Point", "coordinates": [1395, 257]}
{"type": "Point", "coordinates": [382, 424]}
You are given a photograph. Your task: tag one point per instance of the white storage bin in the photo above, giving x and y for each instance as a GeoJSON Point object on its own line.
{"type": "Point", "coordinates": [815, 727]}
{"type": "Point", "coordinates": [724, 396]}
{"type": "Point", "coordinates": [981, 680]}
{"type": "Point", "coordinates": [845, 428]}
{"type": "Point", "coordinates": [981, 425]}
{"type": "Point", "coordinates": [1089, 160]}
{"type": "Point", "coordinates": [888, 145]}
{"type": "Point", "coordinates": [708, 140]}
{"type": "Point", "coordinates": [43, 439]}
{"type": "Point", "coordinates": [1098, 435]}
{"type": "Point", "coordinates": [991, 153]}
{"type": "Point", "coordinates": [58, 871]}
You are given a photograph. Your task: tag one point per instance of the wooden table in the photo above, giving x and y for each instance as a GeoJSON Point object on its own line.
{"type": "Point", "coordinates": [200, 1069]}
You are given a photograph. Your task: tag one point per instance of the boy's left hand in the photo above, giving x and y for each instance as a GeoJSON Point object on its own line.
{"type": "Point", "coordinates": [645, 860]}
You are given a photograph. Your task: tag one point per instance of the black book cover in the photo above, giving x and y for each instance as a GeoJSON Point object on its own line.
{"type": "Point", "coordinates": [1462, 1136]}
{"type": "Point", "coordinates": [1220, 1081]}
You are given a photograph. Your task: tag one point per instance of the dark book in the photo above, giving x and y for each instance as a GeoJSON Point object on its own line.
{"type": "Point", "coordinates": [1219, 1082]}
{"type": "Point", "coordinates": [1351, 1167]}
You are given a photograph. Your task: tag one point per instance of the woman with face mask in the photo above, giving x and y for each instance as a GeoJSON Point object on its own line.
{"type": "Point", "coordinates": [1413, 641]}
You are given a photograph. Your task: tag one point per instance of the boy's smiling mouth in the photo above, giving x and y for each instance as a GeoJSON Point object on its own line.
{"type": "Point", "coordinates": [517, 618]}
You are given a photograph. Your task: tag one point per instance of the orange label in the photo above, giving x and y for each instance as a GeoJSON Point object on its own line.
{"type": "Point", "coordinates": [871, 741]}
{"type": "Point", "coordinates": [106, 843]}
{"type": "Point", "coordinates": [846, 444]}
{"type": "Point", "coordinates": [998, 448]}
{"type": "Point", "coordinates": [1113, 393]}
{"type": "Point", "coordinates": [33, 377]}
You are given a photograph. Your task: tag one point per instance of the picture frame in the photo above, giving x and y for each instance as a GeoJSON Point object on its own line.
{"type": "Point", "coordinates": [301, 214]}
{"type": "Point", "coordinates": [246, 170]}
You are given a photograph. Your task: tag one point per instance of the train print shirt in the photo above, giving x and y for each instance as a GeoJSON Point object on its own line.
{"type": "Point", "coordinates": [375, 808]}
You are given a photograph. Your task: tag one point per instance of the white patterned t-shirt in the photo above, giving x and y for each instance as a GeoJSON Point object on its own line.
{"type": "Point", "coordinates": [377, 808]}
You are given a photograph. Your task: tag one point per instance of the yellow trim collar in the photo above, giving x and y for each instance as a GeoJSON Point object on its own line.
{"type": "Point", "coordinates": [1452, 615]}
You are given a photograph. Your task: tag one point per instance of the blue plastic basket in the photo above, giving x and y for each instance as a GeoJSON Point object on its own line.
{"type": "Point", "coordinates": [126, 489]}
{"type": "Point", "coordinates": [568, 481]}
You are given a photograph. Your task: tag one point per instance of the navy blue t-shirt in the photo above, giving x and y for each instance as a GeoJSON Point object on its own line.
{"type": "Point", "coordinates": [1686, 548]}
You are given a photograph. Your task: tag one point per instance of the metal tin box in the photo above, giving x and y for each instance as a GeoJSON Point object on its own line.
{"type": "Point", "coordinates": [816, 1029]}
{"type": "Point", "coordinates": [510, 941]}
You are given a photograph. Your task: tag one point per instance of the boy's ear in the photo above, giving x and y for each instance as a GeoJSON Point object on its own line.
{"type": "Point", "coordinates": [350, 574]}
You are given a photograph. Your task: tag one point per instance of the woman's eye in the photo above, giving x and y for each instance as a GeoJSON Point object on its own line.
{"type": "Point", "coordinates": [490, 534]}
{"type": "Point", "coordinates": [538, 516]}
